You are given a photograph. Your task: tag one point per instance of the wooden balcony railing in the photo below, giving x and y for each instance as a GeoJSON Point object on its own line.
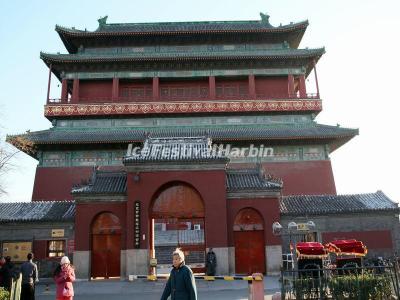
{"type": "Point", "coordinates": [102, 100]}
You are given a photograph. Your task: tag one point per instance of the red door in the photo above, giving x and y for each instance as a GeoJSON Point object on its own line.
{"type": "Point", "coordinates": [106, 255]}
{"type": "Point", "coordinates": [106, 246]}
{"type": "Point", "coordinates": [249, 242]}
{"type": "Point", "coordinates": [249, 252]}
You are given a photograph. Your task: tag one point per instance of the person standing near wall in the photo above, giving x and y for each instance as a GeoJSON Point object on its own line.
{"type": "Point", "coordinates": [211, 262]}
{"type": "Point", "coordinates": [7, 272]}
{"type": "Point", "coordinates": [30, 276]}
{"type": "Point", "coordinates": [2, 262]}
{"type": "Point", "coordinates": [64, 275]}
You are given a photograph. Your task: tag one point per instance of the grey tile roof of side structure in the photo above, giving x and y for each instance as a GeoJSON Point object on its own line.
{"type": "Point", "coordinates": [40, 211]}
{"type": "Point", "coordinates": [250, 180]}
{"type": "Point", "coordinates": [182, 149]}
{"type": "Point", "coordinates": [55, 136]}
{"type": "Point", "coordinates": [331, 204]}
{"type": "Point", "coordinates": [103, 182]}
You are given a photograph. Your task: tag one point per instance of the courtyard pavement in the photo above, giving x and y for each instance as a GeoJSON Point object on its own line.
{"type": "Point", "coordinates": [142, 289]}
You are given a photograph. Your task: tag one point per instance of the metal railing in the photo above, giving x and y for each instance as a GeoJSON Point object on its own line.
{"type": "Point", "coordinates": [361, 283]}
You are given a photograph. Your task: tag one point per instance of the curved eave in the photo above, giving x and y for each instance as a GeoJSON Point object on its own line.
{"type": "Point", "coordinates": [30, 144]}
{"type": "Point", "coordinates": [23, 143]}
{"type": "Point", "coordinates": [73, 58]}
{"type": "Point", "coordinates": [60, 59]}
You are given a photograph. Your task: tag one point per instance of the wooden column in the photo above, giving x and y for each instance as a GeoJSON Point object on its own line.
{"type": "Point", "coordinates": [64, 91]}
{"type": "Point", "coordinates": [252, 86]}
{"type": "Point", "coordinates": [291, 93]}
{"type": "Point", "coordinates": [156, 88]}
{"type": "Point", "coordinates": [115, 89]}
{"type": "Point", "coordinates": [211, 87]}
{"type": "Point", "coordinates": [302, 86]}
{"type": "Point", "coordinates": [75, 91]}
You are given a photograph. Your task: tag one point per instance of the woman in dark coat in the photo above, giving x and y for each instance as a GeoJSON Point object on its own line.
{"type": "Point", "coordinates": [181, 284]}
{"type": "Point", "coordinates": [7, 271]}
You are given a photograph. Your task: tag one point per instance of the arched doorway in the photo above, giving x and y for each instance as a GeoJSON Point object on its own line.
{"type": "Point", "coordinates": [248, 235]}
{"type": "Point", "coordinates": [106, 246]}
{"type": "Point", "coordinates": [177, 218]}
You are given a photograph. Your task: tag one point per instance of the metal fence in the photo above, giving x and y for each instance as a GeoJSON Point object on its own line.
{"type": "Point", "coordinates": [361, 283]}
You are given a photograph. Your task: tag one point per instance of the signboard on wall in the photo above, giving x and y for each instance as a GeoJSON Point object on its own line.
{"type": "Point", "coordinates": [137, 224]}
{"type": "Point", "coordinates": [17, 250]}
{"type": "Point", "coordinates": [302, 227]}
{"type": "Point", "coordinates": [57, 233]}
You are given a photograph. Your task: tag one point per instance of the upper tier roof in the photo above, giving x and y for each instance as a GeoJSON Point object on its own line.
{"type": "Point", "coordinates": [74, 38]}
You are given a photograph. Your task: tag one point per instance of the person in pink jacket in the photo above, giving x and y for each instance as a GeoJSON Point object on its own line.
{"type": "Point", "coordinates": [64, 275]}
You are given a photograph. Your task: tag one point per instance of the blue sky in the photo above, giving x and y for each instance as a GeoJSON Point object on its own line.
{"type": "Point", "coordinates": [358, 75]}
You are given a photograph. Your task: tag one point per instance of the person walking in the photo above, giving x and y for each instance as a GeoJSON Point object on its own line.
{"type": "Point", "coordinates": [30, 276]}
{"type": "Point", "coordinates": [64, 275]}
{"type": "Point", "coordinates": [181, 284]}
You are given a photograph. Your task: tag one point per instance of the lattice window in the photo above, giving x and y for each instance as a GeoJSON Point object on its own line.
{"type": "Point", "coordinates": [56, 248]}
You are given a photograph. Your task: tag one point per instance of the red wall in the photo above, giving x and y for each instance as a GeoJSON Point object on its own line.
{"type": "Point", "coordinates": [268, 208]}
{"type": "Point", "coordinates": [374, 239]}
{"type": "Point", "coordinates": [56, 183]}
{"type": "Point", "coordinates": [85, 215]}
{"type": "Point", "coordinates": [95, 91]}
{"type": "Point", "coordinates": [209, 184]}
{"type": "Point", "coordinates": [272, 86]}
{"type": "Point", "coordinates": [302, 177]}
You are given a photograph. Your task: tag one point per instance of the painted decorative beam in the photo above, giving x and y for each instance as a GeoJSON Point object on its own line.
{"type": "Point", "coordinates": [138, 108]}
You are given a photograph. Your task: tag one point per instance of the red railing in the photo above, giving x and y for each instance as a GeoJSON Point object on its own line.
{"type": "Point", "coordinates": [99, 100]}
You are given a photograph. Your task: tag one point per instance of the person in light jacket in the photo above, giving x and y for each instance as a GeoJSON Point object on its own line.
{"type": "Point", "coordinates": [64, 275]}
{"type": "Point", "coordinates": [181, 284]}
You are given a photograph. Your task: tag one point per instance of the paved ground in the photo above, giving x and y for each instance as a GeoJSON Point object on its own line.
{"type": "Point", "coordinates": [145, 290]}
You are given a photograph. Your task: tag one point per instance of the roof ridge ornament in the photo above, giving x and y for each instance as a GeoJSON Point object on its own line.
{"type": "Point", "coordinates": [264, 18]}
{"type": "Point", "coordinates": [102, 21]}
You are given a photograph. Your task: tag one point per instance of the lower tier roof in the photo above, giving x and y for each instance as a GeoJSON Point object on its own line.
{"type": "Point", "coordinates": [335, 136]}
{"type": "Point", "coordinates": [333, 204]}
{"type": "Point", "coordinates": [296, 205]}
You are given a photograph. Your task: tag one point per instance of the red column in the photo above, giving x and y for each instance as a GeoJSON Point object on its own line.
{"type": "Point", "coordinates": [75, 91]}
{"type": "Point", "coordinates": [115, 89]}
{"type": "Point", "coordinates": [211, 87]}
{"type": "Point", "coordinates": [316, 78]}
{"type": "Point", "coordinates": [291, 86]}
{"type": "Point", "coordinates": [48, 86]}
{"type": "Point", "coordinates": [252, 86]}
{"type": "Point", "coordinates": [156, 88]}
{"type": "Point", "coordinates": [64, 91]}
{"type": "Point", "coordinates": [302, 86]}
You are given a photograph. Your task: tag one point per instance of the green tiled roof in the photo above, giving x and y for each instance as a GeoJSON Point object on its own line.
{"type": "Point", "coordinates": [335, 135]}
{"type": "Point", "coordinates": [73, 38]}
{"type": "Point", "coordinates": [271, 54]}
{"type": "Point", "coordinates": [183, 27]}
